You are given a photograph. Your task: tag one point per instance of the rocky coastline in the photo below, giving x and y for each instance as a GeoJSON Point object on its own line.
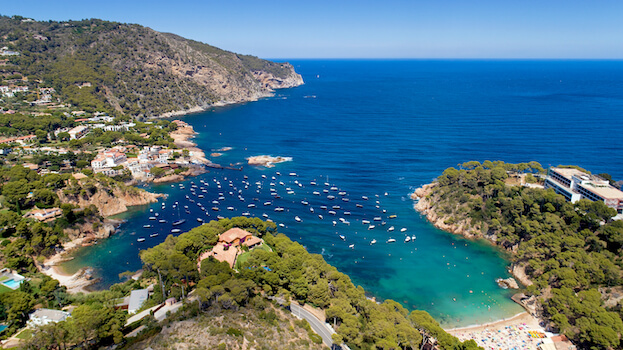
{"type": "Point", "coordinates": [117, 201]}
{"type": "Point", "coordinates": [79, 236]}
{"type": "Point", "coordinates": [425, 205]}
{"type": "Point", "coordinates": [112, 201]}
{"type": "Point", "coordinates": [268, 84]}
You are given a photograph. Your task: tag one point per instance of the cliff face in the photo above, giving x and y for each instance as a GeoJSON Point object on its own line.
{"type": "Point", "coordinates": [136, 70]}
{"type": "Point", "coordinates": [88, 232]}
{"type": "Point", "coordinates": [111, 202]}
{"type": "Point", "coordinates": [426, 206]}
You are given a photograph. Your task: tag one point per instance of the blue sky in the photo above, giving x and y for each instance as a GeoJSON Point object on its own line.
{"type": "Point", "coordinates": [365, 28]}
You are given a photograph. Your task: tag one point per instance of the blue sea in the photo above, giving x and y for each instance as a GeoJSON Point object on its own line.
{"type": "Point", "coordinates": [380, 129]}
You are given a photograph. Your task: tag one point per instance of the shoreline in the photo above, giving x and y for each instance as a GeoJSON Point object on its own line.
{"type": "Point", "coordinates": [181, 138]}
{"type": "Point", "coordinates": [513, 332]}
{"type": "Point", "coordinates": [76, 282]}
{"type": "Point", "coordinates": [524, 317]}
{"type": "Point", "coordinates": [424, 206]}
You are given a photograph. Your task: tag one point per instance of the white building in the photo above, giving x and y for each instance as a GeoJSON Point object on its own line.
{"type": "Point", "coordinates": [41, 317]}
{"type": "Point", "coordinates": [574, 185]}
{"type": "Point", "coordinates": [137, 299]}
{"type": "Point", "coordinates": [101, 118]}
{"type": "Point", "coordinates": [78, 132]}
{"type": "Point", "coordinates": [108, 159]}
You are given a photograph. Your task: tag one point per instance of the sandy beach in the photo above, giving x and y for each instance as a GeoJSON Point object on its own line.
{"type": "Point", "coordinates": [75, 283]}
{"type": "Point", "coordinates": [517, 332]}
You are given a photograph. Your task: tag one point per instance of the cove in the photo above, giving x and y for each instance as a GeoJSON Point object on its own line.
{"type": "Point", "coordinates": [376, 127]}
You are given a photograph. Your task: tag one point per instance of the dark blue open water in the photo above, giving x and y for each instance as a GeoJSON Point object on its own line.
{"type": "Point", "coordinates": [370, 127]}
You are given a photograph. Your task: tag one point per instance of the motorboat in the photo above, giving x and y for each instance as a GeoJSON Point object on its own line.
{"type": "Point", "coordinates": [178, 222]}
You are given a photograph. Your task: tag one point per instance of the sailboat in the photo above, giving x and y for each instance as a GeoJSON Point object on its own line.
{"type": "Point", "coordinates": [178, 221]}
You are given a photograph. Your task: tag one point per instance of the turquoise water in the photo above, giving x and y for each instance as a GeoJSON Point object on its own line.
{"type": "Point", "coordinates": [375, 127]}
{"type": "Point", "coordinates": [13, 284]}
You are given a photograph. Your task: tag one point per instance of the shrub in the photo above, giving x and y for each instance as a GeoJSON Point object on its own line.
{"type": "Point", "coordinates": [315, 338]}
{"type": "Point", "coordinates": [235, 332]}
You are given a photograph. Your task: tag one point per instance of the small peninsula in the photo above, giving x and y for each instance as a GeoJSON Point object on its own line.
{"type": "Point", "coordinates": [567, 254]}
{"type": "Point", "coordinates": [267, 161]}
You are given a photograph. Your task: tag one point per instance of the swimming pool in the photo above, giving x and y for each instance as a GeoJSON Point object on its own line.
{"type": "Point", "coordinates": [13, 284]}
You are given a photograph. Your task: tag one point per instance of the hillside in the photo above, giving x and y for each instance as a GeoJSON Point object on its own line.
{"type": "Point", "coordinates": [131, 69]}
{"type": "Point", "coordinates": [260, 326]}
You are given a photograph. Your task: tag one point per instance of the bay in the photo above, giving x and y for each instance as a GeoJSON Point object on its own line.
{"type": "Point", "coordinates": [382, 128]}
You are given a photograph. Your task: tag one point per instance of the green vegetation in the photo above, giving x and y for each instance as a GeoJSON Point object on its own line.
{"type": "Point", "coordinates": [259, 325]}
{"type": "Point", "coordinates": [93, 323]}
{"type": "Point", "coordinates": [570, 251]}
{"type": "Point", "coordinates": [4, 289]}
{"type": "Point", "coordinates": [124, 69]}
{"type": "Point", "coordinates": [25, 334]}
{"type": "Point", "coordinates": [287, 271]}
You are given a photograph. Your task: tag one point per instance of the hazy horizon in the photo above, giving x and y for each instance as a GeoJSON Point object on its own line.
{"type": "Point", "coordinates": [367, 29]}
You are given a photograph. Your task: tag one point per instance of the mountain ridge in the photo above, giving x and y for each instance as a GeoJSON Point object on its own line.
{"type": "Point", "coordinates": [135, 70]}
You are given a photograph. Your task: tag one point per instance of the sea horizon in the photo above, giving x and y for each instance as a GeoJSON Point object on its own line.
{"type": "Point", "coordinates": [370, 127]}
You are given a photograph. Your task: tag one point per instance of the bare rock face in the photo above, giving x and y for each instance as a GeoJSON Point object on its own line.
{"type": "Point", "coordinates": [271, 82]}
{"type": "Point", "coordinates": [95, 232]}
{"type": "Point", "coordinates": [111, 202]}
{"type": "Point", "coordinates": [169, 178]}
{"type": "Point", "coordinates": [507, 283]}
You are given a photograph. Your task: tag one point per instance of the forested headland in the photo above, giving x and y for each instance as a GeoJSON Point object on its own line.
{"type": "Point", "coordinates": [571, 252]}
{"type": "Point", "coordinates": [128, 69]}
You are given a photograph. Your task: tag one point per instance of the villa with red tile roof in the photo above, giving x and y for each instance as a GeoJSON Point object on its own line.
{"type": "Point", "coordinates": [228, 246]}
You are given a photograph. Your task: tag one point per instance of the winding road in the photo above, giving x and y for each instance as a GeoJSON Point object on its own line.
{"type": "Point", "coordinates": [321, 328]}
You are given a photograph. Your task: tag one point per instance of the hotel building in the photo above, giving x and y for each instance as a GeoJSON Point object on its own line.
{"type": "Point", "coordinates": [574, 185]}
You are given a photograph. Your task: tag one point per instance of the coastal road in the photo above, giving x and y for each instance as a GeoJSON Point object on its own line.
{"type": "Point", "coordinates": [321, 328]}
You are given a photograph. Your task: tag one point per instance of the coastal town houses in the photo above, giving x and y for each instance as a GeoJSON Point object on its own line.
{"type": "Point", "coordinates": [155, 153]}
{"type": "Point", "coordinates": [22, 140]}
{"type": "Point", "coordinates": [4, 51]}
{"type": "Point", "coordinates": [78, 132]}
{"type": "Point", "coordinates": [44, 215]}
{"type": "Point", "coordinates": [117, 127]}
{"type": "Point", "coordinates": [575, 184]}
{"type": "Point", "coordinates": [108, 159]}
{"type": "Point", "coordinates": [10, 91]}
